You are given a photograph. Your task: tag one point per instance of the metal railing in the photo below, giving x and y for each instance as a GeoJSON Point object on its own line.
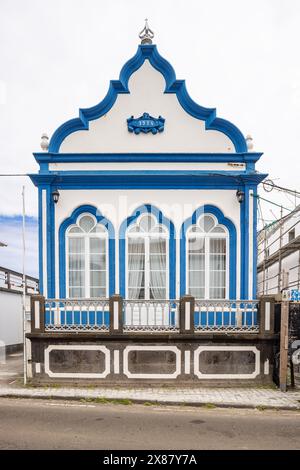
{"type": "Point", "coordinates": [151, 315]}
{"type": "Point", "coordinates": [235, 316]}
{"type": "Point", "coordinates": [76, 314]}
{"type": "Point", "coordinates": [13, 281]}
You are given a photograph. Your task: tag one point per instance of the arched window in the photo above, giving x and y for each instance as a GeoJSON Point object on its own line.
{"type": "Point", "coordinates": [147, 259]}
{"type": "Point", "coordinates": [207, 259]}
{"type": "Point", "coordinates": [86, 258]}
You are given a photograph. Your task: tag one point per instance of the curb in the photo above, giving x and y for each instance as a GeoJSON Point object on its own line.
{"type": "Point", "coordinates": [140, 401]}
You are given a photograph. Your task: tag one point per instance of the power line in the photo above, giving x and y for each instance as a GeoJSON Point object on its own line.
{"type": "Point", "coordinates": [282, 188]}
{"type": "Point", "coordinates": [271, 202]}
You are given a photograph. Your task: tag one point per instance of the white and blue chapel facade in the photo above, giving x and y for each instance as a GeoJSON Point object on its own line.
{"type": "Point", "coordinates": [147, 195]}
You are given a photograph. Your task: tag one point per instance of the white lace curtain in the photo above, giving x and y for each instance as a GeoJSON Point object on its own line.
{"type": "Point", "coordinates": [87, 258]}
{"type": "Point", "coordinates": [158, 268]}
{"type": "Point", "coordinates": [136, 268]}
{"type": "Point", "coordinates": [147, 259]}
{"type": "Point", "coordinates": [207, 256]}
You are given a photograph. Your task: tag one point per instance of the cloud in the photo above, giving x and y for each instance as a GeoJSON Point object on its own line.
{"type": "Point", "coordinates": [11, 257]}
{"type": "Point", "coordinates": [239, 56]}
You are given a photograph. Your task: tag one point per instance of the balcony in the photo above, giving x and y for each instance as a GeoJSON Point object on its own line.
{"type": "Point", "coordinates": [115, 314]}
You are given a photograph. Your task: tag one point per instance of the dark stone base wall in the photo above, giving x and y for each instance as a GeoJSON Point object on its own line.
{"type": "Point", "coordinates": [156, 360]}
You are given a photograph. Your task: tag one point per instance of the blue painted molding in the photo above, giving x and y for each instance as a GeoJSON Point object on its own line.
{"type": "Point", "coordinates": [244, 232]}
{"type": "Point", "coordinates": [210, 209]}
{"type": "Point", "coordinates": [147, 180]}
{"type": "Point", "coordinates": [44, 158]}
{"type": "Point", "coordinates": [40, 224]}
{"type": "Point", "coordinates": [161, 219]}
{"type": "Point", "coordinates": [50, 236]}
{"type": "Point", "coordinates": [255, 250]}
{"type": "Point", "coordinates": [62, 246]}
{"type": "Point", "coordinates": [172, 86]}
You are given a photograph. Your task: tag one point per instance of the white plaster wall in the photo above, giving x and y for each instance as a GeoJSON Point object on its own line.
{"type": "Point", "coordinates": [183, 133]}
{"type": "Point", "coordinates": [143, 166]}
{"type": "Point", "coordinates": [11, 318]}
{"type": "Point", "coordinates": [177, 205]}
{"type": "Point", "coordinates": [273, 239]}
{"type": "Point", "coordinates": [291, 265]}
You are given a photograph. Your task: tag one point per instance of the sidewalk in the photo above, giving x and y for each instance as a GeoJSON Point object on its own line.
{"type": "Point", "coordinates": [11, 379]}
{"type": "Point", "coordinates": [221, 397]}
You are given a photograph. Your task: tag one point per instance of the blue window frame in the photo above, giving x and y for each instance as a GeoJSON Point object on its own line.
{"type": "Point", "coordinates": [63, 230]}
{"type": "Point", "coordinates": [222, 221]}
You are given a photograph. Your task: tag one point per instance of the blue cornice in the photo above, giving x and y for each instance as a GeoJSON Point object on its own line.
{"type": "Point", "coordinates": [241, 157]}
{"type": "Point", "coordinates": [147, 179]}
{"type": "Point", "coordinates": [172, 86]}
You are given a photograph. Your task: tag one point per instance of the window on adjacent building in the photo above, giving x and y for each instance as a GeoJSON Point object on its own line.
{"type": "Point", "coordinates": [291, 235]}
{"type": "Point", "coordinates": [207, 259]}
{"type": "Point", "coordinates": [147, 259]}
{"type": "Point", "coordinates": [86, 262]}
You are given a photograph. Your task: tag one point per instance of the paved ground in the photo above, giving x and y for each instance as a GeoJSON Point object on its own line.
{"type": "Point", "coordinates": [39, 424]}
{"type": "Point", "coordinates": [221, 397]}
{"type": "Point", "coordinates": [12, 369]}
{"type": "Point", "coordinates": [11, 385]}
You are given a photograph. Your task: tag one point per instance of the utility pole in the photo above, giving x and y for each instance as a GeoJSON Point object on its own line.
{"type": "Point", "coordinates": [24, 289]}
{"type": "Point", "coordinates": [280, 281]}
{"type": "Point", "coordinates": [284, 334]}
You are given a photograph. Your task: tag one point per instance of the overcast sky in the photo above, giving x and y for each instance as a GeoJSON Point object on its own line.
{"type": "Point", "coordinates": [239, 56]}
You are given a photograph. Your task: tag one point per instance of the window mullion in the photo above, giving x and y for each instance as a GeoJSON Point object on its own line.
{"type": "Point", "coordinates": [87, 266]}
{"type": "Point", "coordinates": [207, 267]}
{"type": "Point", "coordinates": [147, 267]}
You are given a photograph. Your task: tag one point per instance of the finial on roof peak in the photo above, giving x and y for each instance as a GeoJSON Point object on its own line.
{"type": "Point", "coordinates": [146, 35]}
{"type": "Point", "coordinates": [249, 142]}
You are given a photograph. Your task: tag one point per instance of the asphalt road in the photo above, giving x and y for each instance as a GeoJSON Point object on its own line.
{"type": "Point", "coordinates": [39, 424]}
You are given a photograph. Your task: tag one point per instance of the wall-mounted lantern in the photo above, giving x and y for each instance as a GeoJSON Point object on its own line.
{"type": "Point", "coordinates": [240, 195]}
{"type": "Point", "coordinates": [55, 196]}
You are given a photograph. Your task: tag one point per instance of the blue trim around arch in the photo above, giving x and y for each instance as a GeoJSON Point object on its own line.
{"type": "Point", "coordinates": [148, 208]}
{"type": "Point", "coordinates": [62, 246]}
{"type": "Point", "coordinates": [50, 237]}
{"type": "Point", "coordinates": [207, 208]}
{"type": "Point", "coordinates": [172, 86]}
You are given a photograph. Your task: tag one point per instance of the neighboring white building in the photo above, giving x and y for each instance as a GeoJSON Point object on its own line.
{"type": "Point", "coordinates": [11, 302]}
{"type": "Point", "coordinates": [279, 255]}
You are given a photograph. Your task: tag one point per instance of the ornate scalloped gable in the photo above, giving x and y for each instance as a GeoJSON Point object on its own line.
{"type": "Point", "coordinates": [147, 84]}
